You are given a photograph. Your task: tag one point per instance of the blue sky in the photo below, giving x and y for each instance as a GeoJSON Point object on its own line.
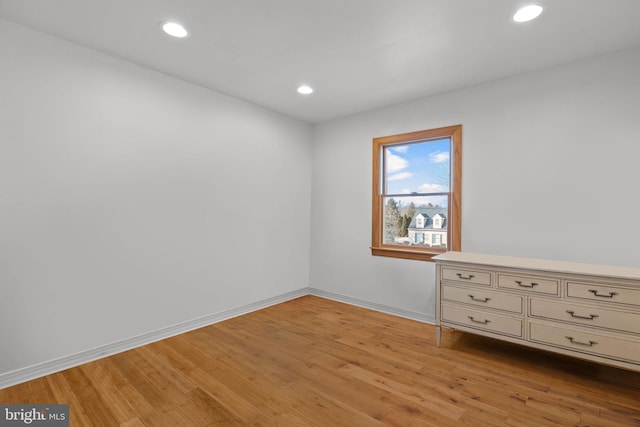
{"type": "Point", "coordinates": [421, 167]}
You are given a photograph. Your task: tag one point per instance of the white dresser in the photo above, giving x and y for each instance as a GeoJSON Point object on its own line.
{"type": "Point", "coordinates": [582, 310]}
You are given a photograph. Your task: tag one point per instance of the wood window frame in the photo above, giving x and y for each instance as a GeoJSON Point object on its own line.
{"type": "Point", "coordinates": [454, 226]}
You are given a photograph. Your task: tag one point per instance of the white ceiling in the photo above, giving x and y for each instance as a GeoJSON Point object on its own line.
{"type": "Point", "coordinates": [357, 54]}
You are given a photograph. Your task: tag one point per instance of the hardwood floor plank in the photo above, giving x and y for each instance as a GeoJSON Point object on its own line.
{"type": "Point", "coordinates": [39, 391]}
{"type": "Point", "coordinates": [134, 422]}
{"type": "Point", "coordinates": [235, 403]}
{"type": "Point", "coordinates": [317, 362]}
{"type": "Point", "coordinates": [410, 395]}
{"type": "Point", "coordinates": [204, 409]}
{"type": "Point", "coordinates": [318, 408]}
{"type": "Point", "coordinates": [158, 395]}
{"type": "Point", "coordinates": [63, 393]}
{"type": "Point", "coordinates": [122, 411]}
{"type": "Point", "coordinates": [95, 409]}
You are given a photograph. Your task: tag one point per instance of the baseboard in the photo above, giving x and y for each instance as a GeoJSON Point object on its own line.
{"type": "Point", "coordinates": [408, 314]}
{"type": "Point", "coordinates": [41, 369]}
{"type": "Point", "coordinates": [28, 373]}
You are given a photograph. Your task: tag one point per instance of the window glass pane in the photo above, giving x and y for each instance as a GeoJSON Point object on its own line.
{"type": "Point", "coordinates": [415, 221]}
{"type": "Point", "coordinates": [419, 167]}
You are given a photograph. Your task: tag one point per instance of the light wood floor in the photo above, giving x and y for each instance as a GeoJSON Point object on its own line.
{"type": "Point", "coordinates": [315, 362]}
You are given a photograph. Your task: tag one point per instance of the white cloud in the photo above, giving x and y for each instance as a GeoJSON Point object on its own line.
{"type": "Point", "coordinates": [400, 148]}
{"type": "Point", "coordinates": [405, 191]}
{"type": "Point", "coordinates": [400, 176]}
{"type": "Point", "coordinates": [432, 188]}
{"type": "Point", "coordinates": [439, 157]}
{"type": "Point", "coordinates": [395, 163]}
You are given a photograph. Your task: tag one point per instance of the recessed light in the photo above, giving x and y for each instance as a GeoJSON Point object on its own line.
{"type": "Point", "coordinates": [528, 13]}
{"type": "Point", "coordinates": [305, 90]}
{"type": "Point", "coordinates": [175, 30]}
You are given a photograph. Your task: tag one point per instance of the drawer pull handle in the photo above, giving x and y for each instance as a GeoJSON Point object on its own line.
{"type": "Point", "coordinates": [479, 299]}
{"type": "Point", "coordinates": [609, 295]}
{"type": "Point", "coordinates": [522, 285]}
{"type": "Point", "coordinates": [589, 344]}
{"type": "Point", "coordinates": [461, 276]}
{"type": "Point", "coordinates": [589, 317]}
{"type": "Point", "coordinates": [482, 322]}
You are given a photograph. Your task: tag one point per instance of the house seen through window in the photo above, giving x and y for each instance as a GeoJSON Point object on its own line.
{"type": "Point", "coordinates": [416, 196]}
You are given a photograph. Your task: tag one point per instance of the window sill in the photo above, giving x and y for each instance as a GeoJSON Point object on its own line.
{"type": "Point", "coordinates": [406, 252]}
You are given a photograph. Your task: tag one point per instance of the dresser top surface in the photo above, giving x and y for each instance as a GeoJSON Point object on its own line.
{"type": "Point", "coordinates": [540, 264]}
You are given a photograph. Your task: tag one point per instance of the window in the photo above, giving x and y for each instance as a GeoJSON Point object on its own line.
{"type": "Point", "coordinates": [417, 187]}
{"type": "Point", "coordinates": [437, 222]}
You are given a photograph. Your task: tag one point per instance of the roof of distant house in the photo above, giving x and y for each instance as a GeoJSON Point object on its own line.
{"type": "Point", "coordinates": [429, 213]}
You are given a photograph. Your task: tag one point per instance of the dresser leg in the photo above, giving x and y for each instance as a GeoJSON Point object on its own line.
{"type": "Point", "coordinates": [438, 336]}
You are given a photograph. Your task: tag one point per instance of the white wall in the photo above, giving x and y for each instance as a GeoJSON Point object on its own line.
{"type": "Point", "coordinates": [546, 157]}
{"type": "Point", "coordinates": [131, 201]}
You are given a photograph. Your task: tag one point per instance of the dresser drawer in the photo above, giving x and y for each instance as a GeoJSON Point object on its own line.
{"type": "Point", "coordinates": [604, 293]}
{"type": "Point", "coordinates": [482, 298]}
{"type": "Point", "coordinates": [585, 315]}
{"type": "Point", "coordinates": [529, 284]}
{"type": "Point", "coordinates": [482, 320]}
{"type": "Point", "coordinates": [585, 341]}
{"type": "Point", "coordinates": [467, 276]}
